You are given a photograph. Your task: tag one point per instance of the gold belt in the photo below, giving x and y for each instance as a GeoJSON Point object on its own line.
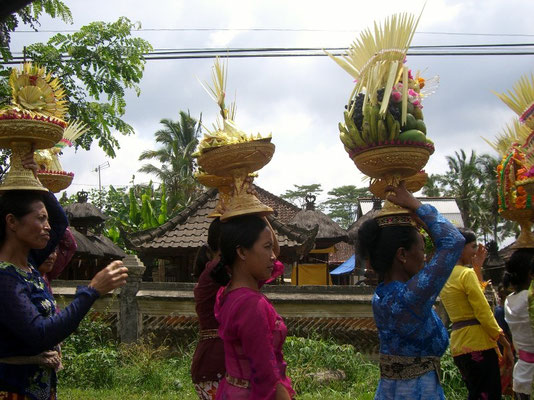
{"type": "Point", "coordinates": [238, 382]}
{"type": "Point", "coordinates": [403, 367]}
{"type": "Point", "coordinates": [208, 334]}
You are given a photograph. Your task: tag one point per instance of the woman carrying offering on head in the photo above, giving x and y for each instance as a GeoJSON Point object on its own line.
{"type": "Point", "coordinates": [412, 336]}
{"type": "Point", "coordinates": [518, 274]}
{"type": "Point", "coordinates": [475, 332]}
{"type": "Point", "coordinates": [252, 331]}
{"type": "Point", "coordinates": [29, 321]}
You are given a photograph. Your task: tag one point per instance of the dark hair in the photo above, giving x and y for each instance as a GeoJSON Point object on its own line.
{"type": "Point", "coordinates": [518, 268]}
{"type": "Point", "coordinates": [205, 253]}
{"type": "Point", "coordinates": [468, 235]}
{"type": "Point", "coordinates": [379, 244]}
{"type": "Point", "coordinates": [18, 203]}
{"type": "Point", "coordinates": [242, 231]}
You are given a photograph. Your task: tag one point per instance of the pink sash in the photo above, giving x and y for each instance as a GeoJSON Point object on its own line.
{"type": "Point", "coordinates": [526, 356]}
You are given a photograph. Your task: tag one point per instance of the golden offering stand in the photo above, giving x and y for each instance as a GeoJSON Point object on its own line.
{"type": "Point", "coordinates": [524, 218]}
{"type": "Point", "coordinates": [55, 182]}
{"type": "Point", "coordinates": [238, 161]}
{"type": "Point", "coordinates": [389, 165]}
{"type": "Point", "coordinates": [22, 136]}
{"type": "Point", "coordinates": [224, 185]}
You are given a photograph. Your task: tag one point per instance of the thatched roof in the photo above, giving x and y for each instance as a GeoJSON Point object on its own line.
{"type": "Point", "coordinates": [327, 228]}
{"type": "Point", "coordinates": [85, 246]}
{"type": "Point", "coordinates": [107, 246]}
{"type": "Point", "coordinates": [352, 232]}
{"type": "Point", "coordinates": [83, 213]}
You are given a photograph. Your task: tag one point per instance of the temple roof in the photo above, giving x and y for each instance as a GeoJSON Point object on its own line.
{"type": "Point", "coordinates": [189, 228]}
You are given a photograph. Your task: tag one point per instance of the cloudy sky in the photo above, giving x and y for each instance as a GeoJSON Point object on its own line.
{"type": "Point", "coordinates": [300, 100]}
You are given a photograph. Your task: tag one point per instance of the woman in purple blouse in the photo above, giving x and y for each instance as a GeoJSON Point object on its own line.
{"type": "Point", "coordinates": [29, 321]}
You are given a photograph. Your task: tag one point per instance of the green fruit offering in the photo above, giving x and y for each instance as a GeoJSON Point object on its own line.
{"type": "Point", "coordinates": [420, 125]}
{"type": "Point", "coordinates": [413, 135]}
{"type": "Point", "coordinates": [411, 123]}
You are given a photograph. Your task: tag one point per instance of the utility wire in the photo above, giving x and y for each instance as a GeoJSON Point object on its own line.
{"type": "Point", "coordinates": [501, 49]}
{"type": "Point", "coordinates": [281, 30]}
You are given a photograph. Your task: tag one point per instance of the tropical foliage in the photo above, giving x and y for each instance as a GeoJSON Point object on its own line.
{"type": "Point", "coordinates": [178, 140]}
{"type": "Point", "coordinates": [471, 180]}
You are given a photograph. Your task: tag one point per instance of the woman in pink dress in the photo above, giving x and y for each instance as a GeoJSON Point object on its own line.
{"type": "Point", "coordinates": [252, 331]}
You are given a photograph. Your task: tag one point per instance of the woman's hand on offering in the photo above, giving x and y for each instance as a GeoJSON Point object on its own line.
{"type": "Point", "coordinates": [110, 278]}
{"type": "Point", "coordinates": [400, 196]}
{"type": "Point", "coordinates": [28, 162]}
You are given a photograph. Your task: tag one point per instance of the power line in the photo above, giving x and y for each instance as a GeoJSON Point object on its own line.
{"type": "Point", "coordinates": [281, 30]}
{"type": "Point", "coordinates": [501, 49]}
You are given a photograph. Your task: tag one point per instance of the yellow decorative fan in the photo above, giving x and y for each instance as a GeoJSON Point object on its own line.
{"type": "Point", "coordinates": [36, 93]}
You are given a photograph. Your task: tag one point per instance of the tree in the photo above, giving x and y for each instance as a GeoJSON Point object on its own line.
{"type": "Point", "coordinates": [342, 203]}
{"type": "Point", "coordinates": [472, 181]}
{"type": "Point", "coordinates": [28, 12]}
{"type": "Point", "coordinates": [98, 62]}
{"type": "Point", "coordinates": [179, 140]}
{"type": "Point", "coordinates": [463, 181]}
{"type": "Point", "coordinates": [298, 195]}
{"type": "Point", "coordinates": [432, 186]}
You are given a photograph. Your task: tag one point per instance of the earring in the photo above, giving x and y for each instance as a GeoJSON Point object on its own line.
{"type": "Point", "coordinates": [404, 261]}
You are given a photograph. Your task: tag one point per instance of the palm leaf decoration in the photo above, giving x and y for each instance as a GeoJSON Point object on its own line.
{"type": "Point", "coordinates": [513, 134]}
{"type": "Point", "coordinates": [47, 159]}
{"type": "Point", "coordinates": [35, 92]}
{"type": "Point", "coordinates": [225, 131]}
{"type": "Point", "coordinates": [376, 59]}
{"type": "Point", "coordinates": [521, 99]}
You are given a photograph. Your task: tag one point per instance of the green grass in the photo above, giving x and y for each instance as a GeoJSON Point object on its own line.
{"type": "Point", "coordinates": [96, 367]}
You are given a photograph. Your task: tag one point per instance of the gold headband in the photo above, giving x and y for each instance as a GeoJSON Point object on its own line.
{"type": "Point", "coordinates": [395, 220]}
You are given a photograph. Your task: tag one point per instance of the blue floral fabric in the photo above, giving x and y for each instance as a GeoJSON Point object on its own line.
{"type": "Point", "coordinates": [30, 325]}
{"type": "Point", "coordinates": [404, 315]}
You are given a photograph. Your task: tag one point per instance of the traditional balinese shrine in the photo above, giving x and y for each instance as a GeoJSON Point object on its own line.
{"type": "Point", "coordinates": [94, 250]}
{"type": "Point", "coordinates": [313, 269]}
{"type": "Point", "coordinates": [169, 250]}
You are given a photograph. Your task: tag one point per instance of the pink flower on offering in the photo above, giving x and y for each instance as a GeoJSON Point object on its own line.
{"type": "Point", "coordinates": [410, 76]}
{"type": "Point", "coordinates": [530, 172]}
{"type": "Point", "coordinates": [396, 96]}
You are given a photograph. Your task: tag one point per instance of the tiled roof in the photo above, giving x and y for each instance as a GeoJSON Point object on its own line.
{"type": "Point", "coordinates": [284, 210]}
{"type": "Point", "coordinates": [446, 206]}
{"type": "Point", "coordinates": [189, 229]}
{"type": "Point", "coordinates": [343, 252]}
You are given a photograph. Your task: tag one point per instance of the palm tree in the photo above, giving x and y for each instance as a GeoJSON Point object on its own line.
{"type": "Point", "coordinates": [463, 181]}
{"type": "Point", "coordinates": [179, 140]}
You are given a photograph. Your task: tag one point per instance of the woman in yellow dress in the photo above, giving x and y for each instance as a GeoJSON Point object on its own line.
{"type": "Point", "coordinates": [475, 331]}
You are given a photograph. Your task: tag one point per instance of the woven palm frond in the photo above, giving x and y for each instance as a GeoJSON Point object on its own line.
{"type": "Point", "coordinates": [521, 99]}
{"type": "Point", "coordinates": [224, 131]}
{"type": "Point", "coordinates": [376, 59]}
{"type": "Point", "coordinates": [514, 134]}
{"type": "Point", "coordinates": [35, 92]}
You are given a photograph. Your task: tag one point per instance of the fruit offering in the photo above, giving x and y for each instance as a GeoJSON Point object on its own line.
{"type": "Point", "coordinates": [385, 107]}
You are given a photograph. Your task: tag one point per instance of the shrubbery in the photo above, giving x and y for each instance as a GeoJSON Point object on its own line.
{"type": "Point", "coordinates": [97, 367]}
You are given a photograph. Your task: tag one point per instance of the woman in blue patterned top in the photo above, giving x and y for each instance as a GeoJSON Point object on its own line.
{"type": "Point", "coordinates": [29, 323]}
{"type": "Point", "coordinates": [412, 337]}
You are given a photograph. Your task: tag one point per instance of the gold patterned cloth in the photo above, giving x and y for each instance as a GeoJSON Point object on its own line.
{"type": "Point", "coordinates": [404, 367]}
{"type": "Point", "coordinates": [208, 334]}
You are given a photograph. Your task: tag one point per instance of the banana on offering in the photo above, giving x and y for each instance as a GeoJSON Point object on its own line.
{"type": "Point", "coordinates": [225, 131]}
{"type": "Point", "coordinates": [385, 106]}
